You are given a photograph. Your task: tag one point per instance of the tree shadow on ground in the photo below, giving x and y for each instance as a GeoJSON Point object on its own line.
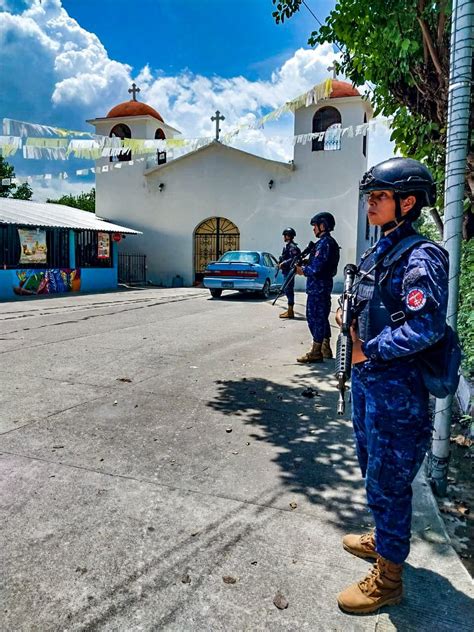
{"type": "Point", "coordinates": [422, 588]}
{"type": "Point", "coordinates": [315, 453]}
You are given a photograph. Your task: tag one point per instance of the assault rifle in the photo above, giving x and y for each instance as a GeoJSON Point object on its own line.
{"type": "Point", "coordinates": [344, 340]}
{"type": "Point", "coordinates": [295, 262]}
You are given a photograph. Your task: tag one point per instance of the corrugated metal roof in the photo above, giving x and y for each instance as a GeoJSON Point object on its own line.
{"type": "Point", "coordinates": [27, 213]}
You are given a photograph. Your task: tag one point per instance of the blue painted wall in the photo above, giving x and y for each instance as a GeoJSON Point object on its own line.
{"type": "Point", "coordinates": [97, 279]}
{"type": "Point", "coordinates": [92, 279]}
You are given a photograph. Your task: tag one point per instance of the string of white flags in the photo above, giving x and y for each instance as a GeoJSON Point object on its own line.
{"type": "Point", "coordinates": [39, 141]}
{"type": "Point", "coordinates": [101, 147]}
{"type": "Point", "coordinates": [23, 129]}
{"type": "Point", "coordinates": [64, 175]}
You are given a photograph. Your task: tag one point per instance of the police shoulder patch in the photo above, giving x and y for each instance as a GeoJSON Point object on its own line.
{"type": "Point", "coordinates": [416, 299]}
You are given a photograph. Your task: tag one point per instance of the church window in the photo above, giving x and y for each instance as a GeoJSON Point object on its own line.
{"type": "Point", "coordinates": [328, 120]}
{"type": "Point", "coordinates": [161, 153]}
{"type": "Point", "coordinates": [364, 139]}
{"type": "Point", "coordinates": [121, 131]}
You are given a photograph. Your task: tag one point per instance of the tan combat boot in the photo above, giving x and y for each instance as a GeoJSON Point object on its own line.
{"type": "Point", "coordinates": [381, 587]}
{"type": "Point", "coordinates": [326, 349]}
{"type": "Point", "coordinates": [290, 313]}
{"type": "Point", "coordinates": [314, 355]}
{"type": "Point", "coordinates": [360, 545]}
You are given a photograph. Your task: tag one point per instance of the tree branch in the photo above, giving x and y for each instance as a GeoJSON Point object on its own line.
{"type": "Point", "coordinates": [429, 42]}
{"type": "Point", "coordinates": [441, 24]}
{"type": "Point", "coordinates": [437, 220]}
{"type": "Point", "coordinates": [417, 85]}
{"type": "Point", "coordinates": [425, 52]}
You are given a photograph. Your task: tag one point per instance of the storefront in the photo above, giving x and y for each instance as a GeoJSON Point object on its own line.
{"type": "Point", "coordinates": [50, 249]}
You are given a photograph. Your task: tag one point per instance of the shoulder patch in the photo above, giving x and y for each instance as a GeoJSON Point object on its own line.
{"type": "Point", "coordinates": [416, 299]}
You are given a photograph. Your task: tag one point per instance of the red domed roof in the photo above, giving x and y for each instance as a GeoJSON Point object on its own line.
{"type": "Point", "coordinates": [133, 108]}
{"type": "Point", "coordinates": [342, 89]}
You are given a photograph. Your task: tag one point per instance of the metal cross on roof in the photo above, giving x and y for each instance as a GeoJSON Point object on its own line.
{"type": "Point", "coordinates": [217, 118]}
{"type": "Point", "coordinates": [333, 68]}
{"type": "Point", "coordinates": [134, 90]}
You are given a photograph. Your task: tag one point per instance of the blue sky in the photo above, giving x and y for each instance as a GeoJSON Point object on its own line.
{"type": "Point", "coordinates": [221, 37]}
{"type": "Point", "coordinates": [65, 61]}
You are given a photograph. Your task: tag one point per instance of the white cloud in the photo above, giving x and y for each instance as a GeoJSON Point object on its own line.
{"type": "Point", "coordinates": [56, 188]}
{"type": "Point", "coordinates": [58, 73]}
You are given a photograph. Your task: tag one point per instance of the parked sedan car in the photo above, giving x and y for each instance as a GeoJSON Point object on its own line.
{"type": "Point", "coordinates": [243, 270]}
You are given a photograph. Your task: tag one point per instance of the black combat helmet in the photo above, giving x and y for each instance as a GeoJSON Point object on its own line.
{"type": "Point", "coordinates": [403, 176]}
{"type": "Point", "coordinates": [324, 218]}
{"type": "Point", "coordinates": [291, 232]}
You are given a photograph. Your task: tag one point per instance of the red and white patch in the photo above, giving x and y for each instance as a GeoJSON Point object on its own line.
{"type": "Point", "coordinates": [416, 299]}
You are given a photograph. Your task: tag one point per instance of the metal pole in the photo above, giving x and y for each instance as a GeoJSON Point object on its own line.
{"type": "Point", "coordinates": [460, 76]}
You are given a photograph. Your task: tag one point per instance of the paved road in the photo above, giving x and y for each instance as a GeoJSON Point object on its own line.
{"type": "Point", "coordinates": [154, 442]}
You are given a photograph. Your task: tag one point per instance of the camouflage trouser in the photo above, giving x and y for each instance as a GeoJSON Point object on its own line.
{"type": "Point", "coordinates": [393, 430]}
{"type": "Point", "coordinates": [318, 308]}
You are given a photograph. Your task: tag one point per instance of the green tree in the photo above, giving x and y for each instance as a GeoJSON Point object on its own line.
{"type": "Point", "coordinates": [23, 192]}
{"type": "Point", "coordinates": [19, 192]}
{"type": "Point", "coordinates": [401, 47]}
{"type": "Point", "coordinates": [84, 201]}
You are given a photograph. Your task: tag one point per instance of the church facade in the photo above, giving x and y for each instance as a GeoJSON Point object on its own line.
{"type": "Point", "coordinates": [217, 198]}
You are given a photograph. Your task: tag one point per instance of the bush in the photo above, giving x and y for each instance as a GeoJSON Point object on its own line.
{"type": "Point", "coordinates": [466, 305]}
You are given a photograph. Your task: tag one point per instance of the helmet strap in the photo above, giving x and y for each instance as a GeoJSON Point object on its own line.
{"type": "Point", "coordinates": [399, 217]}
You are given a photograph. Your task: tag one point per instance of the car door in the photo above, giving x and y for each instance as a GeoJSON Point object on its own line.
{"type": "Point", "coordinates": [278, 276]}
{"type": "Point", "coordinates": [270, 268]}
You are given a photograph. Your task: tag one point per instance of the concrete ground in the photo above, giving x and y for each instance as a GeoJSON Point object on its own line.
{"type": "Point", "coordinates": [155, 442]}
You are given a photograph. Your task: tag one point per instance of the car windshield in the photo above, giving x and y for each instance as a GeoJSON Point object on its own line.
{"type": "Point", "coordinates": [240, 257]}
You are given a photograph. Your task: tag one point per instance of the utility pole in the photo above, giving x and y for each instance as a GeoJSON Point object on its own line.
{"type": "Point", "coordinates": [460, 83]}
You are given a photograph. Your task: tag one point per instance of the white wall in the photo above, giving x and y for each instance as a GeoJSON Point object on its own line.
{"type": "Point", "coordinates": [140, 126]}
{"type": "Point", "coordinates": [219, 181]}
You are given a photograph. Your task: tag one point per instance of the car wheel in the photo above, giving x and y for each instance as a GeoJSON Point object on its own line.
{"type": "Point", "coordinates": [216, 293]}
{"type": "Point", "coordinates": [266, 289]}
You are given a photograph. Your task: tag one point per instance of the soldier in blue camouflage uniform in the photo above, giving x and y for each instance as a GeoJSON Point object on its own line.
{"type": "Point", "coordinates": [319, 273]}
{"type": "Point", "coordinates": [402, 311]}
{"type": "Point", "coordinates": [290, 251]}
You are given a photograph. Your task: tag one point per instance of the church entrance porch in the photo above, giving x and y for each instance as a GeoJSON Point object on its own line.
{"type": "Point", "coordinates": [212, 238]}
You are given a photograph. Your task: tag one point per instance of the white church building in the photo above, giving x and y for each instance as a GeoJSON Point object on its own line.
{"type": "Point", "coordinates": [218, 198]}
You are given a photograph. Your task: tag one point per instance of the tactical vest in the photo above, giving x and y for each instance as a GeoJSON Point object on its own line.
{"type": "Point", "coordinates": [376, 305]}
{"type": "Point", "coordinates": [329, 269]}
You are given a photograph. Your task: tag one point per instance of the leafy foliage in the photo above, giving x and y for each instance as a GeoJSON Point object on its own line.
{"type": "Point", "coordinates": [21, 192]}
{"type": "Point", "coordinates": [466, 305]}
{"type": "Point", "coordinates": [401, 48]}
{"type": "Point", "coordinates": [84, 201]}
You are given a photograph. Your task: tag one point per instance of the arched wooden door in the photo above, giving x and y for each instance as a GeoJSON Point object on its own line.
{"type": "Point", "coordinates": [212, 238]}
